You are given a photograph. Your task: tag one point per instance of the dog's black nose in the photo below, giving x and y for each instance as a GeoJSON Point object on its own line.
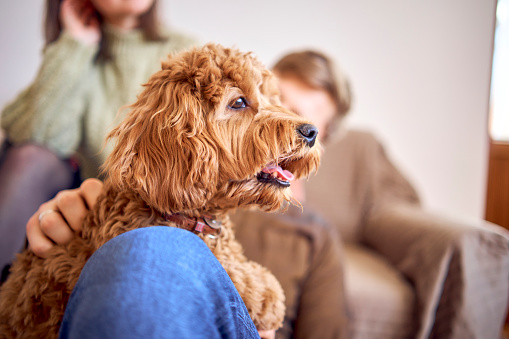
{"type": "Point", "coordinates": [308, 133]}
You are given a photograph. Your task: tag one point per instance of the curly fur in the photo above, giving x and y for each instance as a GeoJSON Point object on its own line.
{"type": "Point", "coordinates": [182, 148]}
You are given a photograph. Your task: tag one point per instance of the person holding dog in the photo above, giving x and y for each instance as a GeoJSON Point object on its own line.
{"type": "Point", "coordinates": [96, 57]}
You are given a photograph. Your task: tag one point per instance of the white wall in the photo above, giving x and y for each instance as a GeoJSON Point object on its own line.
{"type": "Point", "coordinates": [420, 72]}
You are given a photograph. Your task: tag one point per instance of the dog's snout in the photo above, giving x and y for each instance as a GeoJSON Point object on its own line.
{"type": "Point", "coordinates": [308, 132]}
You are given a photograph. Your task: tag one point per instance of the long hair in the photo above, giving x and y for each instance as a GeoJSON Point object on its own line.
{"type": "Point", "coordinates": [149, 25]}
{"type": "Point", "coordinates": [317, 71]}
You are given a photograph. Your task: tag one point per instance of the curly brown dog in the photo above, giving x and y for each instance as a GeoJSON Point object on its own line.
{"type": "Point", "coordinates": [207, 135]}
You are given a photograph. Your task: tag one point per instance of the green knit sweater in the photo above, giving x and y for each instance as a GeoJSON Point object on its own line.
{"type": "Point", "coordinates": [73, 102]}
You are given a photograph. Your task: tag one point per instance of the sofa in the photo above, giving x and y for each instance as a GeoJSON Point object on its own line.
{"type": "Point", "coordinates": [408, 273]}
{"type": "Point", "coordinates": [363, 259]}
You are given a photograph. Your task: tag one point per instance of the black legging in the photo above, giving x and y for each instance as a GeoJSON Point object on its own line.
{"type": "Point", "coordinates": [29, 176]}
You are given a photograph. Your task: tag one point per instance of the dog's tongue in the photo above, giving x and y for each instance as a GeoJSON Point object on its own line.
{"type": "Point", "coordinates": [281, 173]}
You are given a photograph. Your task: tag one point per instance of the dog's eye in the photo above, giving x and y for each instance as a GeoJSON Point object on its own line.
{"type": "Point", "coordinates": [238, 103]}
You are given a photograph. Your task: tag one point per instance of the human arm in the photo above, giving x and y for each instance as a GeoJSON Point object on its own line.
{"type": "Point", "coordinates": [49, 110]}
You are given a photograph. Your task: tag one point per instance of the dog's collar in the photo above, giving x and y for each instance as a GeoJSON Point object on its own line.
{"type": "Point", "coordinates": [206, 224]}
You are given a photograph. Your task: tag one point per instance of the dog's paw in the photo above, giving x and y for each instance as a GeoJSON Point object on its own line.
{"type": "Point", "coordinates": [261, 292]}
{"type": "Point", "coordinates": [272, 311]}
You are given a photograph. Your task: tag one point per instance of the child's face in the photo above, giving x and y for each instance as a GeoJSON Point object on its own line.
{"type": "Point", "coordinates": [313, 104]}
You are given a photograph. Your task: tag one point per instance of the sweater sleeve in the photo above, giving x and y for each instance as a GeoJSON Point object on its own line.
{"type": "Point", "coordinates": [49, 111]}
{"type": "Point", "coordinates": [388, 185]}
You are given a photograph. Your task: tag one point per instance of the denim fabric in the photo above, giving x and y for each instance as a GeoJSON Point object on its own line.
{"type": "Point", "coordinates": [155, 282]}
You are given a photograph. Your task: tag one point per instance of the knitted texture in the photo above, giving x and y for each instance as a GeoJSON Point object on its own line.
{"type": "Point", "coordinates": [73, 102]}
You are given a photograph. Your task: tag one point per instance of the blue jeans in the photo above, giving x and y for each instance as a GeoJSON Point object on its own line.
{"type": "Point", "coordinates": [155, 282]}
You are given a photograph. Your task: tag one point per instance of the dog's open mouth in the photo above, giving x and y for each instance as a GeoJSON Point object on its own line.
{"type": "Point", "coordinates": [274, 174]}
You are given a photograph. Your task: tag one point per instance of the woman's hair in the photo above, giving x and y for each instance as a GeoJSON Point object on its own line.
{"type": "Point", "coordinates": [149, 25]}
{"type": "Point", "coordinates": [317, 71]}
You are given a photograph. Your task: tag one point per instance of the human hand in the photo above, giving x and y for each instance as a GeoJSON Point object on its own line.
{"type": "Point", "coordinates": [57, 220]}
{"type": "Point", "coordinates": [270, 334]}
{"type": "Point", "coordinates": [79, 18]}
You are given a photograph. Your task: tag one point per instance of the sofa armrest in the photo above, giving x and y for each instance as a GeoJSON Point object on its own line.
{"type": "Point", "coordinates": [400, 229]}
{"type": "Point", "coordinates": [460, 269]}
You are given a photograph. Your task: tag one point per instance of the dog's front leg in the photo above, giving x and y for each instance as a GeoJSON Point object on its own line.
{"type": "Point", "coordinates": [257, 286]}
{"type": "Point", "coordinates": [260, 291]}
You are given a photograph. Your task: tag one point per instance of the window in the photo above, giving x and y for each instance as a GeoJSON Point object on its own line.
{"type": "Point", "coordinates": [499, 97]}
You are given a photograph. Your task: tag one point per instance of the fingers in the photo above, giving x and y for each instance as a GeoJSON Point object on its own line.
{"type": "Point", "coordinates": [38, 242]}
{"type": "Point", "coordinates": [90, 190]}
{"type": "Point", "coordinates": [47, 227]}
{"type": "Point", "coordinates": [79, 19]}
{"type": "Point", "coordinates": [87, 14]}
{"type": "Point", "coordinates": [78, 7]}
{"type": "Point", "coordinates": [57, 220]}
{"type": "Point", "coordinates": [75, 204]}
{"type": "Point", "coordinates": [73, 209]}
{"type": "Point", "coordinates": [268, 334]}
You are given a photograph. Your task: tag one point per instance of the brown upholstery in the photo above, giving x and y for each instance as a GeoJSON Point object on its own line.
{"type": "Point", "coordinates": [408, 273]}
{"type": "Point", "coordinates": [305, 255]}
{"type": "Point", "coordinates": [405, 273]}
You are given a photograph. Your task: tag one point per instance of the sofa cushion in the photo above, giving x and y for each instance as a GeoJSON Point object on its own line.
{"type": "Point", "coordinates": [381, 301]}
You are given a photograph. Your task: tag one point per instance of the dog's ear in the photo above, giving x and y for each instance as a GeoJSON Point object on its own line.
{"type": "Point", "coordinates": [162, 149]}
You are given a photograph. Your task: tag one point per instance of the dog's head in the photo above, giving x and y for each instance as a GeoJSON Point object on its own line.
{"type": "Point", "coordinates": [208, 133]}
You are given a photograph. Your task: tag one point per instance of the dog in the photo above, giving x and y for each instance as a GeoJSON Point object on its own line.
{"type": "Point", "coordinates": [207, 135]}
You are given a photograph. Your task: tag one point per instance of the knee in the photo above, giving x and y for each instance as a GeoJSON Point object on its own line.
{"type": "Point", "coordinates": [28, 155]}
{"type": "Point", "coordinates": [159, 241]}
{"type": "Point", "coordinates": [28, 159]}
{"type": "Point", "coordinates": [169, 253]}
